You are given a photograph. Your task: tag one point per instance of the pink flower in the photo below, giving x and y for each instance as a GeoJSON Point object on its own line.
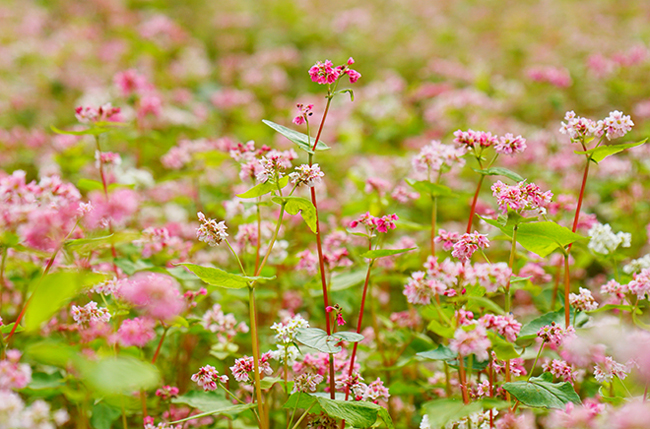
{"type": "Point", "coordinates": [210, 231]}
{"type": "Point", "coordinates": [167, 392]}
{"type": "Point", "coordinates": [465, 247]}
{"type": "Point", "coordinates": [353, 75]}
{"type": "Point", "coordinates": [509, 144]}
{"type": "Point", "coordinates": [448, 239]}
{"type": "Point", "coordinates": [208, 377]}
{"type": "Point", "coordinates": [505, 325]}
{"type": "Point", "coordinates": [324, 73]}
{"type": "Point", "coordinates": [615, 125]}
{"type": "Point", "coordinates": [245, 365]}
{"type": "Point", "coordinates": [89, 314]}
{"type": "Point", "coordinates": [307, 175]}
{"type": "Point", "coordinates": [157, 295]}
{"type": "Point", "coordinates": [136, 332]}
{"type": "Point", "coordinates": [434, 156]}
{"type": "Point", "coordinates": [307, 382]}
{"type": "Point", "coordinates": [305, 112]}
{"type": "Point", "coordinates": [562, 370]}
{"type": "Point", "coordinates": [471, 340]}
{"type": "Point", "coordinates": [386, 222]}
{"type": "Point", "coordinates": [470, 138]}
{"type": "Point", "coordinates": [583, 301]}
{"type": "Point", "coordinates": [105, 113]}
{"type": "Point", "coordinates": [522, 196]}
{"type": "Point", "coordinates": [605, 371]}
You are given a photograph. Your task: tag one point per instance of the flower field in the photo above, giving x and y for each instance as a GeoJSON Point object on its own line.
{"type": "Point", "coordinates": [306, 214]}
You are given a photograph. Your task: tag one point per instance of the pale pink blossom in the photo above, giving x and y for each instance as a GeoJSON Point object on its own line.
{"type": "Point", "coordinates": [471, 340]}
{"type": "Point", "coordinates": [208, 377]}
{"type": "Point", "coordinates": [136, 332]}
{"type": "Point", "coordinates": [156, 295]}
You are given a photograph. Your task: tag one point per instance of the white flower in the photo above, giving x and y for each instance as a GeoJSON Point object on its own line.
{"type": "Point", "coordinates": [604, 241]}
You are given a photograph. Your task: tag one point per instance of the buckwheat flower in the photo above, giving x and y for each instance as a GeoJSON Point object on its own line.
{"type": "Point", "coordinates": [210, 231]}
{"type": "Point", "coordinates": [434, 156]}
{"type": "Point", "coordinates": [274, 163]}
{"type": "Point", "coordinates": [208, 377]}
{"type": "Point", "coordinates": [562, 370]}
{"type": "Point", "coordinates": [89, 313]}
{"type": "Point", "coordinates": [11, 410]}
{"type": "Point", "coordinates": [157, 295]}
{"type": "Point", "coordinates": [522, 196]}
{"type": "Point", "coordinates": [376, 391]}
{"type": "Point", "coordinates": [470, 138]}
{"type": "Point", "coordinates": [84, 208]}
{"type": "Point", "coordinates": [305, 112]}
{"type": "Point", "coordinates": [604, 372]}
{"type": "Point", "coordinates": [130, 82]}
{"type": "Point", "coordinates": [339, 316]}
{"type": "Point", "coordinates": [418, 290]}
{"type": "Point", "coordinates": [322, 421]}
{"type": "Point", "coordinates": [377, 184]}
{"type": "Point", "coordinates": [167, 392]}
{"type": "Point", "coordinates": [353, 75]}
{"type": "Point", "coordinates": [578, 128]}
{"type": "Point", "coordinates": [386, 222]}
{"type": "Point", "coordinates": [471, 340]}
{"type": "Point", "coordinates": [583, 301]}
{"type": "Point", "coordinates": [637, 265]}
{"type": "Point", "coordinates": [604, 241]}
{"type": "Point", "coordinates": [14, 375]}
{"type": "Point", "coordinates": [467, 244]}
{"type": "Point", "coordinates": [640, 284]}
{"type": "Point", "coordinates": [224, 325]}
{"type": "Point", "coordinates": [509, 144]}
{"type": "Point", "coordinates": [403, 195]}
{"type": "Point", "coordinates": [307, 175]}
{"type": "Point", "coordinates": [424, 424]}
{"type": "Point", "coordinates": [107, 158]}
{"type": "Point", "coordinates": [136, 332]}
{"type": "Point", "coordinates": [616, 125]}
{"type": "Point", "coordinates": [505, 325]}
{"type": "Point", "coordinates": [554, 334]}
{"type": "Point", "coordinates": [324, 72]}
{"type": "Point", "coordinates": [307, 382]}
{"type": "Point", "coordinates": [286, 330]}
{"type": "Point", "coordinates": [448, 239]}
{"type": "Point", "coordinates": [245, 365]}
{"type": "Point", "coordinates": [104, 113]}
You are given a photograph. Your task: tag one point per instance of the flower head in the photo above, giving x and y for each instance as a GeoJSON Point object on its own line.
{"type": "Point", "coordinates": [208, 377]}
{"type": "Point", "coordinates": [324, 72]}
{"type": "Point", "coordinates": [210, 231]}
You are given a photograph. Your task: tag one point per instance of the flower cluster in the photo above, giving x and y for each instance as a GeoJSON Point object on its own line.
{"type": "Point", "coordinates": [522, 196]}
{"type": "Point", "coordinates": [603, 240]}
{"type": "Point", "coordinates": [274, 163]}
{"type": "Point", "coordinates": [308, 175]}
{"type": "Point", "coordinates": [372, 223]}
{"type": "Point", "coordinates": [208, 377]}
{"type": "Point", "coordinates": [245, 365]}
{"type": "Point", "coordinates": [613, 126]}
{"type": "Point", "coordinates": [325, 72]}
{"type": "Point", "coordinates": [91, 115]}
{"type": "Point", "coordinates": [471, 339]}
{"type": "Point", "coordinates": [436, 157]}
{"type": "Point", "coordinates": [210, 231]}
{"type": "Point", "coordinates": [305, 113]}
{"type": "Point", "coordinates": [583, 301]}
{"type": "Point", "coordinates": [554, 334]}
{"type": "Point", "coordinates": [224, 325]}
{"type": "Point", "coordinates": [469, 243]}
{"type": "Point", "coordinates": [157, 295]}
{"type": "Point", "coordinates": [505, 325]}
{"type": "Point", "coordinates": [89, 314]}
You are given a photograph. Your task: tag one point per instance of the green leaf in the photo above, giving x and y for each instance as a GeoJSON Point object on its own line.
{"type": "Point", "coordinates": [541, 392]}
{"type": "Point", "coordinates": [5, 329]}
{"type": "Point", "coordinates": [341, 281]}
{"type": "Point", "coordinates": [52, 353]}
{"type": "Point", "coordinates": [89, 185]}
{"type": "Point", "coordinates": [298, 138]}
{"type": "Point", "coordinates": [211, 403]}
{"type": "Point", "coordinates": [103, 416]}
{"type": "Point", "coordinates": [530, 330]}
{"type": "Point", "coordinates": [264, 188]}
{"type": "Point", "coordinates": [358, 414]}
{"type": "Point", "coordinates": [608, 307]}
{"type": "Point", "coordinates": [293, 205]}
{"type": "Point", "coordinates": [504, 350]}
{"type": "Point", "coordinates": [601, 152]}
{"type": "Point", "coordinates": [479, 301]}
{"type": "Point", "coordinates": [380, 253]}
{"type": "Point", "coordinates": [444, 411]}
{"type": "Point", "coordinates": [300, 400]}
{"type": "Point", "coordinates": [88, 132]}
{"type": "Point", "coordinates": [120, 375]}
{"type": "Point", "coordinates": [319, 340]}
{"type": "Point", "coordinates": [440, 353]}
{"type": "Point", "coordinates": [88, 243]}
{"type": "Point", "coordinates": [53, 292]}
{"type": "Point", "coordinates": [268, 382]}
{"type": "Point", "coordinates": [541, 238]}
{"type": "Point", "coordinates": [217, 276]}
{"type": "Point", "coordinates": [440, 329]}
{"type": "Point", "coordinates": [427, 188]}
{"type": "Point", "coordinates": [500, 171]}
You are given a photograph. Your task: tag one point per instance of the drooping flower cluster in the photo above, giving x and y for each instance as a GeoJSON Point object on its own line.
{"type": "Point", "coordinates": [562, 370]}
{"type": "Point", "coordinates": [274, 164]}
{"type": "Point", "coordinates": [504, 325]}
{"type": "Point", "coordinates": [605, 371]}
{"type": "Point", "coordinates": [554, 334]}
{"type": "Point", "coordinates": [307, 382]}
{"type": "Point", "coordinates": [210, 231]}
{"type": "Point", "coordinates": [469, 243]}
{"type": "Point", "coordinates": [208, 377]}
{"type": "Point", "coordinates": [640, 284]}
{"type": "Point", "coordinates": [305, 113]}
{"type": "Point", "coordinates": [603, 240]}
{"type": "Point", "coordinates": [308, 175]}
{"type": "Point", "coordinates": [520, 197]}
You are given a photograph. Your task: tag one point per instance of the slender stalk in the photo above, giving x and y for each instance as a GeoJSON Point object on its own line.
{"type": "Point", "coordinates": [473, 208]}
{"type": "Point", "coordinates": [256, 357]}
{"type": "Point", "coordinates": [567, 289]}
{"type": "Point", "coordinates": [359, 324]}
{"type": "Point", "coordinates": [143, 401]}
{"type": "Point", "coordinates": [303, 415]}
{"type": "Point", "coordinates": [539, 353]}
{"type": "Point", "coordinates": [463, 381]}
{"type": "Point", "coordinates": [259, 235]}
{"type": "Point", "coordinates": [273, 239]}
{"type": "Point", "coordinates": [162, 338]}
{"type": "Point", "coordinates": [434, 215]}
{"type": "Point", "coordinates": [556, 287]}
{"type": "Point", "coordinates": [511, 264]}
{"type": "Point", "coordinates": [105, 186]}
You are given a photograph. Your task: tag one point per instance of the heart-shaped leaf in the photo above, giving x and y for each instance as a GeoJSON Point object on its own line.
{"type": "Point", "coordinates": [541, 392]}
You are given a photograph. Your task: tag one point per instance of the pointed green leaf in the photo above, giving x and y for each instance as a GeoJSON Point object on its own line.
{"type": "Point", "coordinates": [118, 376]}
{"type": "Point", "coordinates": [358, 414]}
{"type": "Point", "coordinates": [601, 152]}
{"type": "Point", "coordinates": [503, 349]}
{"type": "Point", "coordinates": [88, 132]}
{"type": "Point", "coordinates": [530, 329]}
{"type": "Point", "coordinates": [500, 171]}
{"type": "Point", "coordinates": [211, 403]}
{"type": "Point", "coordinates": [541, 238]}
{"type": "Point", "coordinates": [217, 277]}
{"type": "Point", "coordinates": [351, 337]}
{"type": "Point", "coordinates": [427, 188]}
{"type": "Point", "coordinates": [298, 138]}
{"type": "Point", "coordinates": [442, 412]}
{"type": "Point", "coordinates": [264, 188]}
{"type": "Point", "coordinates": [380, 253]}
{"type": "Point", "coordinates": [295, 205]}
{"type": "Point", "coordinates": [319, 340]}
{"type": "Point", "coordinates": [53, 292]}
{"type": "Point", "coordinates": [440, 353]}
{"type": "Point", "coordinates": [541, 392]}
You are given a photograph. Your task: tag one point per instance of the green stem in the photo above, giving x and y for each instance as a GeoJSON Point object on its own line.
{"type": "Point", "coordinates": [162, 338]}
{"type": "Point", "coordinates": [241, 266]}
{"type": "Point", "coordinates": [303, 415]}
{"type": "Point", "coordinates": [473, 207]}
{"type": "Point", "coordinates": [513, 251]}
{"type": "Point", "coordinates": [293, 413]}
{"type": "Point", "coordinates": [256, 357]}
{"type": "Point", "coordinates": [272, 243]}
{"type": "Point", "coordinates": [434, 215]}
{"type": "Point", "coordinates": [539, 353]}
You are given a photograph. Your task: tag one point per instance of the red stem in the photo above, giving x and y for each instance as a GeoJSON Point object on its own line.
{"type": "Point", "coordinates": [473, 208]}
{"type": "Point", "coordinates": [155, 356]}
